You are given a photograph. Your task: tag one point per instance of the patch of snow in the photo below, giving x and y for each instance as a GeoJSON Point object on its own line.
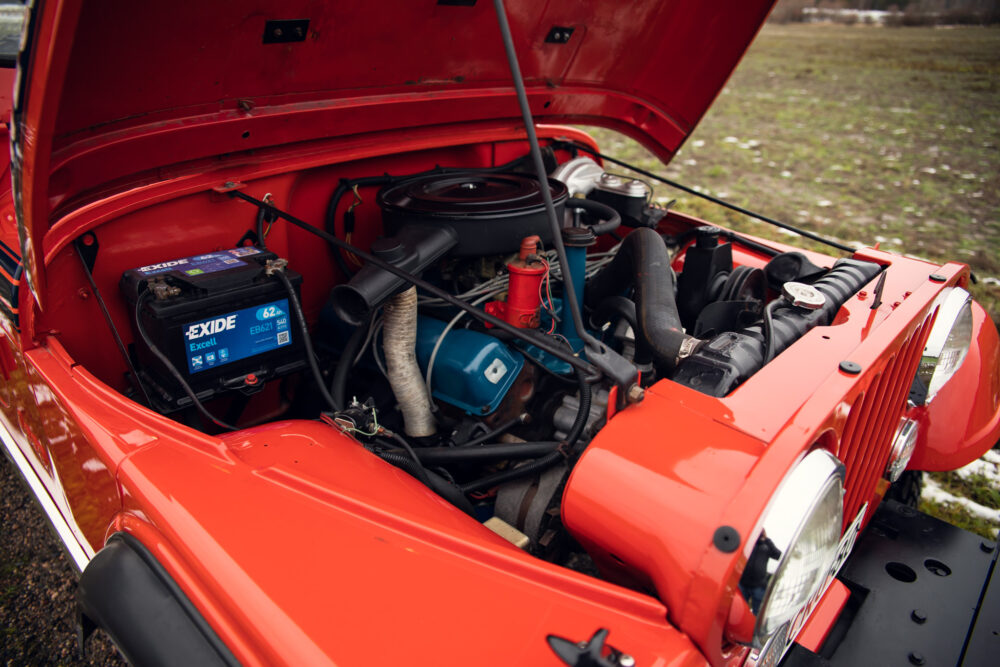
{"type": "Point", "coordinates": [786, 174]}
{"type": "Point", "coordinates": [699, 143]}
{"type": "Point", "coordinates": [934, 492]}
{"type": "Point", "coordinates": [824, 203]}
{"type": "Point", "coordinates": [929, 170]}
{"type": "Point", "coordinates": [731, 140]}
{"type": "Point", "coordinates": [982, 467]}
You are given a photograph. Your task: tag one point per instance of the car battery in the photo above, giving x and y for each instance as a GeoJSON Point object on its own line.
{"type": "Point", "coordinates": [221, 320]}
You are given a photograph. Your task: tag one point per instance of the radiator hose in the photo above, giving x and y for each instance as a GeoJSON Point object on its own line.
{"type": "Point", "coordinates": [399, 330]}
{"type": "Point", "coordinates": [642, 261]}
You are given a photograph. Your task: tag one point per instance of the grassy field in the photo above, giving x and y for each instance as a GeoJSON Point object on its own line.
{"type": "Point", "coordinates": [867, 135]}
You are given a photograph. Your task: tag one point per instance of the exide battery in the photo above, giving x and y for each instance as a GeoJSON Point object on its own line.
{"type": "Point", "coordinates": [220, 319]}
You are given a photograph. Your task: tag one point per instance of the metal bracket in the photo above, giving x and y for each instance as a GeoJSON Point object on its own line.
{"type": "Point", "coordinates": [879, 286]}
{"type": "Point", "coordinates": [88, 246]}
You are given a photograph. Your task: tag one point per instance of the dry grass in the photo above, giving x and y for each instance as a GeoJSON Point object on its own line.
{"type": "Point", "coordinates": [863, 134]}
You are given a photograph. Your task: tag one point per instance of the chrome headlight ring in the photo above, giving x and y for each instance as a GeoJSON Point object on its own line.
{"type": "Point", "coordinates": [797, 544]}
{"type": "Point", "coordinates": [947, 345]}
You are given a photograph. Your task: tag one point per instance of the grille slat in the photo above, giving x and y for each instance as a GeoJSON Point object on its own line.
{"type": "Point", "coordinates": [867, 445]}
{"type": "Point", "coordinates": [871, 423]}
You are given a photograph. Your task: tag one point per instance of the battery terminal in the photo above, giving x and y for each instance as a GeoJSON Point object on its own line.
{"type": "Point", "coordinates": [275, 265]}
{"type": "Point", "coordinates": [161, 290]}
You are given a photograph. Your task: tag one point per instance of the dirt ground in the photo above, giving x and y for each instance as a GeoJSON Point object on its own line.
{"type": "Point", "coordinates": [37, 587]}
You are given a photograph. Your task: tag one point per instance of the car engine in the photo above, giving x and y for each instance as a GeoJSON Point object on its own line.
{"type": "Point", "coordinates": [491, 418]}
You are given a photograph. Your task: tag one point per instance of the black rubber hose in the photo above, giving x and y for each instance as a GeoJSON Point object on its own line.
{"type": "Point", "coordinates": [147, 296]}
{"type": "Point", "coordinates": [437, 483]}
{"type": "Point", "coordinates": [481, 453]}
{"type": "Point", "coordinates": [497, 432]}
{"type": "Point", "coordinates": [421, 472]}
{"type": "Point", "coordinates": [610, 220]}
{"type": "Point", "coordinates": [338, 386]}
{"type": "Point", "coordinates": [642, 261]}
{"type": "Point", "coordinates": [549, 459]}
{"type": "Point", "coordinates": [260, 229]}
{"type": "Point", "coordinates": [624, 308]}
{"type": "Point", "coordinates": [300, 317]}
{"type": "Point", "coordinates": [343, 187]}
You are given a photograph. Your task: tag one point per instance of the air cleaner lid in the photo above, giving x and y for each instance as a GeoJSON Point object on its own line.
{"type": "Point", "coordinates": [469, 194]}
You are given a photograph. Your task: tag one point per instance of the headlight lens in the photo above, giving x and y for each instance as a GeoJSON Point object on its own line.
{"type": "Point", "coordinates": [903, 445]}
{"type": "Point", "coordinates": [946, 347]}
{"type": "Point", "coordinates": [797, 545]}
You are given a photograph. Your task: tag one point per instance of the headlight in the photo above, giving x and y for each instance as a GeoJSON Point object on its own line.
{"type": "Point", "coordinates": [946, 347]}
{"type": "Point", "coordinates": [797, 545]}
{"type": "Point", "coordinates": [903, 445]}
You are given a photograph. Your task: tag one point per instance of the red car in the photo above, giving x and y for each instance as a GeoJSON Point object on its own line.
{"type": "Point", "coordinates": [318, 349]}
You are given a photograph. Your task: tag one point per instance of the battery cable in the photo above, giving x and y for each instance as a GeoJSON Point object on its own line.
{"type": "Point", "coordinates": [146, 297]}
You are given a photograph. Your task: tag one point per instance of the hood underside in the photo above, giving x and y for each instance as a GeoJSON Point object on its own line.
{"type": "Point", "coordinates": [119, 89]}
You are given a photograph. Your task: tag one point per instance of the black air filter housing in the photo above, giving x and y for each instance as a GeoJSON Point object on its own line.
{"type": "Point", "coordinates": [489, 212]}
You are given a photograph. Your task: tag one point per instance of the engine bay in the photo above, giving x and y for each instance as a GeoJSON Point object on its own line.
{"type": "Point", "coordinates": [477, 387]}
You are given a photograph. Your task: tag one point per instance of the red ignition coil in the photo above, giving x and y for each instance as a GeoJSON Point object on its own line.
{"type": "Point", "coordinates": [523, 298]}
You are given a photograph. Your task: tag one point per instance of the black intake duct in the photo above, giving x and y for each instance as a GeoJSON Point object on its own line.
{"type": "Point", "coordinates": [643, 261]}
{"type": "Point", "coordinates": [727, 360]}
{"type": "Point", "coordinates": [414, 248]}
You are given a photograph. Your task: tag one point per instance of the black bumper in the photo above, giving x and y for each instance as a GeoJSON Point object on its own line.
{"type": "Point", "coordinates": [922, 593]}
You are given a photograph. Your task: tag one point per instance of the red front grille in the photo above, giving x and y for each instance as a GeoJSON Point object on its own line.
{"type": "Point", "coordinates": [875, 414]}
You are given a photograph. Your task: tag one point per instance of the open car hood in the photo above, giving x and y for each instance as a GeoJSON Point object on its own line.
{"type": "Point", "coordinates": [116, 93]}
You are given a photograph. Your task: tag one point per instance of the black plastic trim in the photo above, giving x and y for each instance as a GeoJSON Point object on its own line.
{"type": "Point", "coordinates": [127, 593]}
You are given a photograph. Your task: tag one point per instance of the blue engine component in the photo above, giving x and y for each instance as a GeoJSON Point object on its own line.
{"type": "Point", "coordinates": [472, 371]}
{"type": "Point", "coordinates": [576, 257]}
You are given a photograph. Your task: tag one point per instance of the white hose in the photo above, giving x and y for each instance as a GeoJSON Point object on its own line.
{"type": "Point", "coordinates": [399, 340]}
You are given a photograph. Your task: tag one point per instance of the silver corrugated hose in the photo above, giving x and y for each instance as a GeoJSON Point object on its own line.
{"type": "Point", "coordinates": [399, 333]}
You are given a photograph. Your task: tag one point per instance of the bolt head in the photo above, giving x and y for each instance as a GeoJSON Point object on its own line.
{"type": "Point", "coordinates": [916, 658]}
{"type": "Point", "coordinates": [626, 660]}
{"type": "Point", "coordinates": [635, 394]}
{"type": "Point", "coordinates": [918, 616]}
